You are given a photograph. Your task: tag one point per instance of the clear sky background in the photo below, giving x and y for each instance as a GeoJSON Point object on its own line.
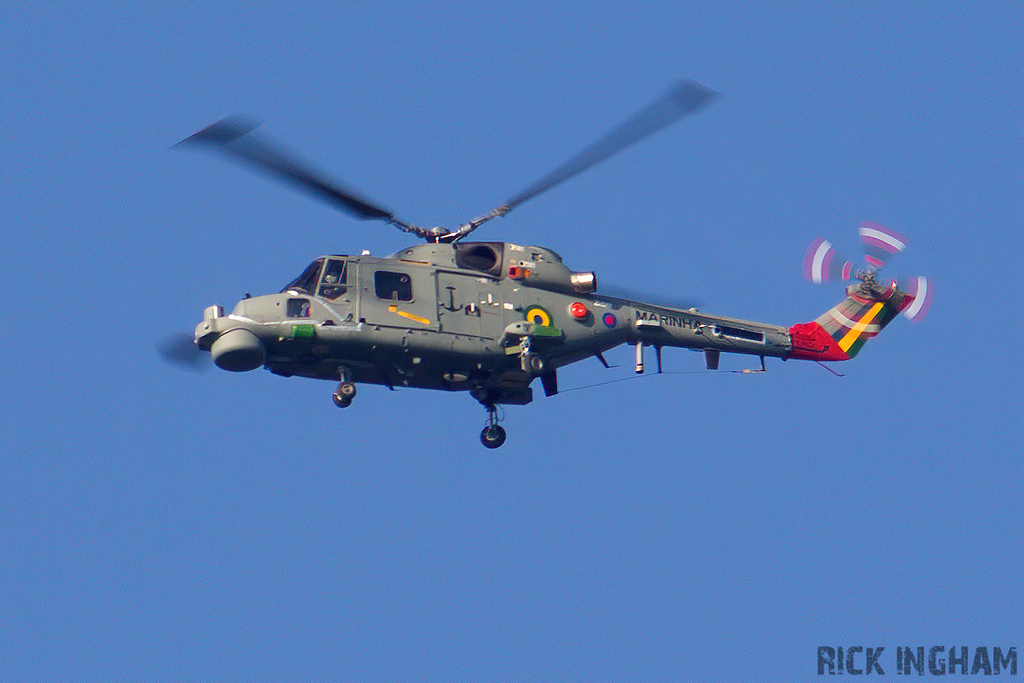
{"type": "Point", "coordinates": [163, 525]}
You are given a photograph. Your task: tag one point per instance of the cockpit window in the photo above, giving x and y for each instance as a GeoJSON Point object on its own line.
{"type": "Point", "coordinates": [307, 281]}
{"type": "Point", "coordinates": [332, 285]}
{"type": "Point", "coordinates": [392, 286]}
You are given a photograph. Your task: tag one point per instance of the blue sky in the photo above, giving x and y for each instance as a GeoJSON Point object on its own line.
{"type": "Point", "coordinates": [162, 525]}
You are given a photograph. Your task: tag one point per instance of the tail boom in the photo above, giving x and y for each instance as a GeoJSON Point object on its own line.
{"type": "Point", "coordinates": [837, 334]}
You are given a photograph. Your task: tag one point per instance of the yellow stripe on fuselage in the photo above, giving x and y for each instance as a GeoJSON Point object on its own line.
{"type": "Point", "coordinates": [847, 341]}
{"type": "Point", "coordinates": [410, 316]}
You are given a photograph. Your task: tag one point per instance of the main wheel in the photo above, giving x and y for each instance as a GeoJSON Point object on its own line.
{"type": "Point", "coordinates": [343, 394]}
{"type": "Point", "coordinates": [347, 390]}
{"type": "Point", "coordinates": [492, 436]}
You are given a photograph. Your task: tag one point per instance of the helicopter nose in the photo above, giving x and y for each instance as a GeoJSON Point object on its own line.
{"type": "Point", "coordinates": [233, 348]}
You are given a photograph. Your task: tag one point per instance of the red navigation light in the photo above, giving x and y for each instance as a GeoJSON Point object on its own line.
{"type": "Point", "coordinates": [578, 310]}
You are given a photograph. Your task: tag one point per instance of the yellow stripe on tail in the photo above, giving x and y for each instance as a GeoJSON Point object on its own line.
{"type": "Point", "coordinates": [847, 341]}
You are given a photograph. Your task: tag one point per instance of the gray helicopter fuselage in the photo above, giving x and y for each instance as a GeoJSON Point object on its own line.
{"type": "Point", "coordinates": [487, 317]}
{"type": "Point", "coordinates": [490, 317]}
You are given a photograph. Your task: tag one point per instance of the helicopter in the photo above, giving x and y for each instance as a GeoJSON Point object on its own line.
{"type": "Point", "coordinates": [490, 318]}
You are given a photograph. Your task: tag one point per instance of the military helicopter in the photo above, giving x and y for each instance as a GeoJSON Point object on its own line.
{"type": "Point", "coordinates": [491, 317]}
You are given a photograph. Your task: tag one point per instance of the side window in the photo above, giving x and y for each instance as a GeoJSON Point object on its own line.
{"type": "Point", "coordinates": [392, 286]}
{"type": "Point", "coordinates": [298, 308]}
{"type": "Point", "coordinates": [333, 283]}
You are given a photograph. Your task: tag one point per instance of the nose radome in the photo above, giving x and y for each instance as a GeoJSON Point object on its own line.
{"type": "Point", "coordinates": [238, 350]}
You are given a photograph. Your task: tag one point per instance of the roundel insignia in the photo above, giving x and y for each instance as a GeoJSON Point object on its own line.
{"type": "Point", "coordinates": [609, 320]}
{"type": "Point", "coordinates": [538, 316]}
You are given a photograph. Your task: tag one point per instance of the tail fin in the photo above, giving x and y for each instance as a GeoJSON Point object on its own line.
{"type": "Point", "coordinates": [839, 333]}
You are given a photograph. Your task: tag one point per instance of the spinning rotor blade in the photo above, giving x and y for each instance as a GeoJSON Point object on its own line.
{"type": "Point", "coordinates": [823, 263]}
{"type": "Point", "coordinates": [234, 137]}
{"type": "Point", "coordinates": [880, 243]}
{"type": "Point", "coordinates": [181, 350]}
{"type": "Point", "coordinates": [923, 290]}
{"type": "Point", "coordinates": [685, 98]}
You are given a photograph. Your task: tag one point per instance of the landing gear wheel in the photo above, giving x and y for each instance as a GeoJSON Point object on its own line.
{"type": "Point", "coordinates": [492, 436]}
{"type": "Point", "coordinates": [347, 390]}
{"type": "Point", "coordinates": [533, 364]}
{"type": "Point", "coordinates": [343, 394]}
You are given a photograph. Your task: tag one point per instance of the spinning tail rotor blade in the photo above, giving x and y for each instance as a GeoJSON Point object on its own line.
{"type": "Point", "coordinates": [685, 98]}
{"type": "Point", "coordinates": [880, 243]}
{"type": "Point", "coordinates": [234, 137]}
{"type": "Point", "coordinates": [823, 263]}
{"type": "Point", "coordinates": [923, 290]}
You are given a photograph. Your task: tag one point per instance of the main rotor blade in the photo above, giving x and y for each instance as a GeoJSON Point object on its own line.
{"type": "Point", "coordinates": [234, 137]}
{"type": "Point", "coordinates": [684, 98]}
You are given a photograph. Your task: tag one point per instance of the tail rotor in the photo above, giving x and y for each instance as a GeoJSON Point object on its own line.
{"type": "Point", "coordinates": [823, 264]}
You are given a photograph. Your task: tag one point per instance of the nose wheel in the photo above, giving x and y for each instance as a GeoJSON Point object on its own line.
{"type": "Point", "coordinates": [493, 435]}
